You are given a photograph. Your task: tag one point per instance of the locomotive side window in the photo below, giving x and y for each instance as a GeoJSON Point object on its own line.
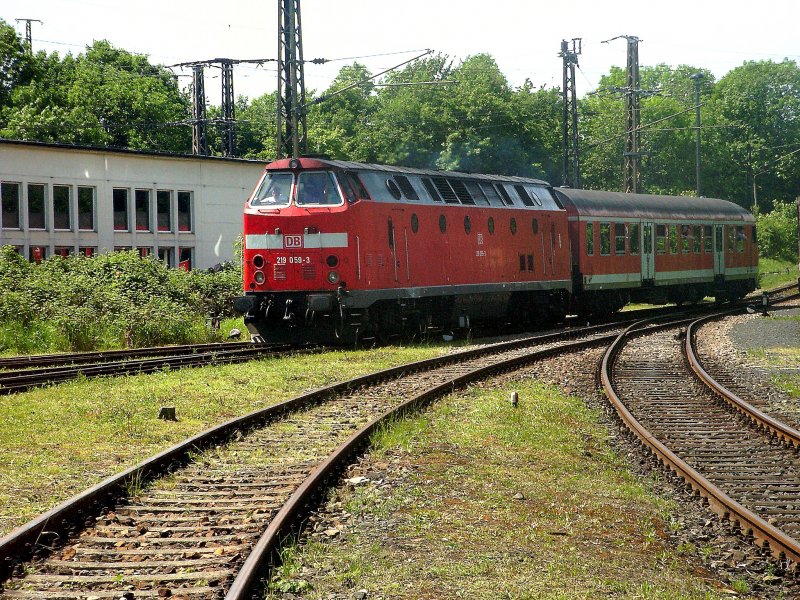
{"type": "Point", "coordinates": [521, 262]}
{"type": "Point", "coordinates": [491, 194]}
{"type": "Point", "coordinates": [539, 195]}
{"type": "Point", "coordinates": [393, 188]}
{"type": "Point", "coordinates": [696, 233]}
{"type": "Point", "coordinates": [535, 226]}
{"type": "Point", "coordinates": [317, 188]}
{"type": "Point", "coordinates": [605, 239]}
{"type": "Point", "coordinates": [619, 238]}
{"type": "Point", "coordinates": [673, 239]}
{"type": "Point", "coordinates": [504, 195]}
{"type": "Point", "coordinates": [406, 187]}
{"type": "Point", "coordinates": [275, 190]}
{"type": "Point", "coordinates": [347, 189]}
{"type": "Point", "coordinates": [524, 196]}
{"type": "Point", "coordinates": [467, 225]}
{"type": "Point", "coordinates": [477, 193]}
{"type": "Point", "coordinates": [661, 239]}
{"type": "Point", "coordinates": [461, 191]}
{"type": "Point", "coordinates": [513, 226]}
{"type": "Point", "coordinates": [358, 187]}
{"type": "Point", "coordinates": [740, 238]}
{"type": "Point", "coordinates": [414, 223]}
{"type": "Point", "coordinates": [590, 239]}
{"type": "Point", "coordinates": [491, 225]}
{"type": "Point", "coordinates": [686, 239]}
{"type": "Point", "coordinates": [634, 238]}
{"type": "Point", "coordinates": [431, 189]}
{"type": "Point", "coordinates": [708, 240]}
{"type": "Point", "coordinates": [442, 223]}
{"type": "Point", "coordinates": [445, 191]}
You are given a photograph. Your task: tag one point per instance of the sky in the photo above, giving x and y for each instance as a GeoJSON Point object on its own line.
{"type": "Point", "coordinates": [523, 37]}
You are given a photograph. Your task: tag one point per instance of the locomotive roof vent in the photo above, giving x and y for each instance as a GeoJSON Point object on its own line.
{"type": "Point", "coordinates": [317, 156]}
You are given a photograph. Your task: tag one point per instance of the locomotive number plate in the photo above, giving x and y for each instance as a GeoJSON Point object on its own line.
{"type": "Point", "coordinates": [293, 260]}
{"type": "Point", "coordinates": [293, 241]}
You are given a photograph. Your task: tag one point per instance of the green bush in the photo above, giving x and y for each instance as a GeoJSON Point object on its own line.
{"type": "Point", "coordinates": [109, 300]}
{"type": "Point", "coordinates": [777, 232]}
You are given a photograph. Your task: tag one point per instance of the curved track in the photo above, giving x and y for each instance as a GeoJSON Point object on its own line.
{"type": "Point", "coordinates": [743, 462]}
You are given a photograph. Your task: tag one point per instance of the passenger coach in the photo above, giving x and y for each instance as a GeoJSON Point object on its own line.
{"type": "Point", "coordinates": [653, 248]}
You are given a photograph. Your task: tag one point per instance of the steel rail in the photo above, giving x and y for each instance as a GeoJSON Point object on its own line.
{"type": "Point", "coordinates": [780, 544]}
{"type": "Point", "coordinates": [22, 542]}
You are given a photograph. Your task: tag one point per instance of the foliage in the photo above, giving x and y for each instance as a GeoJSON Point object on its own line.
{"type": "Point", "coordinates": [777, 232]}
{"type": "Point", "coordinates": [108, 300]}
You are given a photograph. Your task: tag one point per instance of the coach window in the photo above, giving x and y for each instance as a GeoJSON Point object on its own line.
{"type": "Point", "coordinates": [142, 210]}
{"type": "Point", "coordinates": [697, 239]}
{"type": "Point", "coordinates": [605, 239]}
{"type": "Point", "coordinates": [686, 239]}
{"type": "Point", "coordinates": [590, 239]}
{"type": "Point", "coordinates": [10, 198]}
{"type": "Point", "coordinates": [119, 198]}
{"type": "Point", "coordinates": [731, 238]}
{"type": "Point", "coordinates": [184, 211]}
{"type": "Point", "coordinates": [62, 207]}
{"type": "Point", "coordinates": [708, 241]}
{"type": "Point", "coordinates": [673, 239]}
{"type": "Point", "coordinates": [634, 238]}
{"type": "Point", "coordinates": [740, 238]}
{"type": "Point", "coordinates": [442, 223]}
{"type": "Point", "coordinates": [661, 239]}
{"type": "Point", "coordinates": [37, 214]}
{"type": "Point", "coordinates": [164, 210]}
{"type": "Point", "coordinates": [86, 208]}
{"type": "Point", "coordinates": [619, 238]}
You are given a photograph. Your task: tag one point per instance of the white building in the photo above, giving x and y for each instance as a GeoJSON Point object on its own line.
{"type": "Point", "coordinates": [60, 199]}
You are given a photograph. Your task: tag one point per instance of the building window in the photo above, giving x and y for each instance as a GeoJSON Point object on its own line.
{"type": "Point", "coordinates": [185, 211]}
{"type": "Point", "coordinates": [120, 201]}
{"type": "Point", "coordinates": [165, 256]}
{"type": "Point", "coordinates": [185, 256]}
{"type": "Point", "coordinates": [37, 217]}
{"type": "Point", "coordinates": [144, 251]}
{"type": "Point", "coordinates": [605, 239]}
{"type": "Point", "coordinates": [661, 239]}
{"type": "Point", "coordinates": [590, 239]}
{"type": "Point", "coordinates": [62, 207]}
{"type": "Point", "coordinates": [37, 253]}
{"type": "Point", "coordinates": [619, 238]}
{"type": "Point", "coordinates": [10, 200]}
{"type": "Point", "coordinates": [634, 238]}
{"type": "Point", "coordinates": [708, 240]}
{"type": "Point", "coordinates": [142, 210]}
{"type": "Point", "coordinates": [673, 239]}
{"type": "Point", "coordinates": [87, 251]}
{"type": "Point", "coordinates": [86, 208]}
{"type": "Point", "coordinates": [62, 251]}
{"type": "Point", "coordinates": [164, 210]}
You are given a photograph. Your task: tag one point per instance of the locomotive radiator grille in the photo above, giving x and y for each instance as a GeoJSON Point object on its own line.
{"type": "Point", "coordinates": [309, 272]}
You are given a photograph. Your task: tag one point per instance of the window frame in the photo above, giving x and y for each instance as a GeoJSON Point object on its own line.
{"type": "Point", "coordinates": [605, 238]}
{"type": "Point", "coordinates": [3, 199]}
{"type": "Point", "coordinates": [590, 239]}
{"type": "Point", "coordinates": [620, 238]}
{"type": "Point", "coordinates": [44, 188]}
{"type": "Point", "coordinates": [56, 188]}
{"type": "Point", "coordinates": [92, 211]}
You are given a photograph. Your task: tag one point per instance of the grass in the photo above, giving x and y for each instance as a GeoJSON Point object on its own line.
{"type": "Point", "coordinates": [488, 501]}
{"type": "Point", "coordinates": [57, 441]}
{"type": "Point", "coordinates": [774, 273]}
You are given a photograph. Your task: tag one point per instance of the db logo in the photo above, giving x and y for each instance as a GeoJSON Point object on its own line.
{"type": "Point", "coordinates": [293, 241]}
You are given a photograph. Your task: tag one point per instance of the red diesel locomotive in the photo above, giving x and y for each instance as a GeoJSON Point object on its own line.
{"type": "Point", "coordinates": [335, 251]}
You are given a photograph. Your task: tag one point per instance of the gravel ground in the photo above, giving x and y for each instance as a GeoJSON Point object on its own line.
{"type": "Point", "coordinates": [721, 554]}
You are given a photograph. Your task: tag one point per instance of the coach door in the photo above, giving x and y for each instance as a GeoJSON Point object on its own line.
{"type": "Point", "coordinates": [648, 253]}
{"type": "Point", "coordinates": [719, 250]}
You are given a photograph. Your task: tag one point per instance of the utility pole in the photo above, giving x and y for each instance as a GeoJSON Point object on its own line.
{"type": "Point", "coordinates": [292, 134]}
{"type": "Point", "coordinates": [228, 109]}
{"type": "Point", "coordinates": [28, 36]}
{"type": "Point", "coordinates": [569, 121]}
{"type": "Point", "coordinates": [199, 136]}
{"type": "Point", "coordinates": [698, 77]}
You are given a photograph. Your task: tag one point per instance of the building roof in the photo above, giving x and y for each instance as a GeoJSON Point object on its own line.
{"type": "Point", "coordinates": [590, 203]}
{"type": "Point", "coordinates": [105, 149]}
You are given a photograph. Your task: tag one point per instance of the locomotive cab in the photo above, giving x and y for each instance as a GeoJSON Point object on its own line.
{"type": "Point", "coordinates": [297, 253]}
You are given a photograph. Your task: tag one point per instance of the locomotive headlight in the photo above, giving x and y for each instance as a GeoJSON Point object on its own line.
{"type": "Point", "coordinates": [259, 277]}
{"type": "Point", "coordinates": [258, 261]}
{"type": "Point", "coordinates": [332, 261]}
{"type": "Point", "coordinates": [333, 277]}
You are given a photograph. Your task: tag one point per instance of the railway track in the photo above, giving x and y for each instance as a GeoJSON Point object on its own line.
{"type": "Point", "coordinates": [202, 518]}
{"type": "Point", "coordinates": [56, 368]}
{"type": "Point", "coordinates": [744, 463]}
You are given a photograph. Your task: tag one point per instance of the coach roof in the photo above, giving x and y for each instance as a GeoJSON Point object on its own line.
{"type": "Point", "coordinates": [591, 203]}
